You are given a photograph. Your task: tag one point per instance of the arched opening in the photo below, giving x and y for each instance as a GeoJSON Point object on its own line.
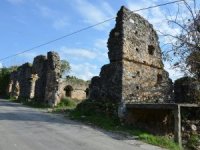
{"type": "Point", "coordinates": [68, 91]}
{"type": "Point", "coordinates": [87, 92]}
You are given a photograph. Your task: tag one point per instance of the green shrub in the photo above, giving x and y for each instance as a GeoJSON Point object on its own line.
{"type": "Point", "coordinates": [194, 142]}
{"type": "Point", "coordinates": [65, 105]}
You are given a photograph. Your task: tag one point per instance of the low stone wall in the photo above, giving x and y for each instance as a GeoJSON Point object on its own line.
{"type": "Point", "coordinates": [187, 90]}
{"type": "Point", "coordinates": [156, 121]}
{"type": "Point", "coordinates": [73, 89]}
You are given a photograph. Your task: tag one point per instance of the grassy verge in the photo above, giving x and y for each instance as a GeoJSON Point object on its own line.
{"type": "Point", "coordinates": [65, 106]}
{"type": "Point", "coordinates": [113, 124]}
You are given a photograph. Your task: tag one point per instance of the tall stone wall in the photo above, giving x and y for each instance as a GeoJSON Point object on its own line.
{"type": "Point", "coordinates": [52, 95]}
{"type": "Point", "coordinates": [136, 72]}
{"type": "Point", "coordinates": [14, 89]}
{"type": "Point", "coordinates": [40, 68]}
{"type": "Point", "coordinates": [144, 79]}
{"type": "Point", "coordinates": [24, 79]}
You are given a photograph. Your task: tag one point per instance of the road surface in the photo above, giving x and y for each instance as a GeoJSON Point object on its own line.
{"type": "Point", "coordinates": [23, 128]}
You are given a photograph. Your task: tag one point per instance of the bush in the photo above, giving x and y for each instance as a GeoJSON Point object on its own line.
{"type": "Point", "coordinates": [66, 102]}
{"type": "Point", "coordinates": [65, 105]}
{"type": "Point", "coordinates": [194, 142]}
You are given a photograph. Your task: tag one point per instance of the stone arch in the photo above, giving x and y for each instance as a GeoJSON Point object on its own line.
{"type": "Point", "coordinates": [68, 90]}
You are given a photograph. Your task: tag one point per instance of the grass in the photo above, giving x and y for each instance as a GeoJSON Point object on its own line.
{"type": "Point", "coordinates": [162, 141]}
{"type": "Point", "coordinates": [65, 106]}
{"type": "Point", "coordinates": [35, 104]}
{"type": "Point", "coordinates": [113, 124]}
{"type": "Point", "coordinates": [194, 141]}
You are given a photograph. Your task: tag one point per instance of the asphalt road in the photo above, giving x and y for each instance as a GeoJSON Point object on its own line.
{"type": "Point", "coordinates": [23, 128]}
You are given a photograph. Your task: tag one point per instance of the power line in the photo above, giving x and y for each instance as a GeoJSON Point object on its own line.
{"type": "Point", "coordinates": [83, 29]}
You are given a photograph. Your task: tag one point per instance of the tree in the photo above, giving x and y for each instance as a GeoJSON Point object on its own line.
{"type": "Point", "coordinates": [186, 48]}
{"type": "Point", "coordinates": [5, 79]}
{"type": "Point", "coordinates": [65, 67]}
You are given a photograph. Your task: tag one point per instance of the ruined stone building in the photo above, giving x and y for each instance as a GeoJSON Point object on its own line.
{"type": "Point", "coordinates": [42, 82]}
{"type": "Point", "coordinates": [39, 81]}
{"type": "Point", "coordinates": [75, 89]}
{"type": "Point", "coordinates": [136, 72]}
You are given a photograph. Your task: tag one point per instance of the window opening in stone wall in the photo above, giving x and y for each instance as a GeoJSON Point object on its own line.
{"type": "Point", "coordinates": [87, 92]}
{"type": "Point", "coordinates": [137, 87]}
{"type": "Point", "coordinates": [138, 73]}
{"type": "Point", "coordinates": [137, 49]}
{"type": "Point", "coordinates": [151, 49]}
{"type": "Point", "coordinates": [159, 78]}
{"type": "Point", "coordinates": [68, 91]}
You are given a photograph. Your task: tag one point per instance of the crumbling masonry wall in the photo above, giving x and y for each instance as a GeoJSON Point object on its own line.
{"type": "Point", "coordinates": [25, 81]}
{"type": "Point", "coordinates": [74, 89]}
{"type": "Point", "coordinates": [52, 79]}
{"type": "Point", "coordinates": [39, 81]}
{"type": "Point", "coordinates": [40, 68]}
{"type": "Point", "coordinates": [136, 72]}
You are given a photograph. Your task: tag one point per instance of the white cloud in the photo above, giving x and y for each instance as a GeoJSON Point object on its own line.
{"type": "Point", "coordinates": [94, 14]}
{"type": "Point", "coordinates": [1, 65]}
{"type": "Point", "coordinates": [84, 71]}
{"type": "Point", "coordinates": [16, 1]}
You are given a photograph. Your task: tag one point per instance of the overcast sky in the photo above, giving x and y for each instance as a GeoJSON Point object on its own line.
{"type": "Point", "coordinates": [28, 23]}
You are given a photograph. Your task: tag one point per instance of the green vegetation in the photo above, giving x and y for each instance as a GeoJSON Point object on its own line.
{"type": "Point", "coordinates": [65, 105]}
{"type": "Point", "coordinates": [35, 104]}
{"type": "Point", "coordinates": [112, 123]}
{"type": "Point", "coordinates": [193, 142]}
{"type": "Point", "coordinates": [65, 67]}
{"type": "Point", "coordinates": [159, 140]}
{"type": "Point", "coordinates": [75, 79]}
{"type": "Point", "coordinates": [4, 79]}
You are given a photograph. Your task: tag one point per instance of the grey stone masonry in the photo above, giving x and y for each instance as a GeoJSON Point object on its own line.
{"type": "Point", "coordinates": [40, 68]}
{"type": "Point", "coordinates": [53, 78]}
{"type": "Point", "coordinates": [39, 82]}
{"type": "Point", "coordinates": [25, 81]}
{"type": "Point", "coordinates": [136, 72]}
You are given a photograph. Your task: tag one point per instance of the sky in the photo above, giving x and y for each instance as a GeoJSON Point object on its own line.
{"type": "Point", "coordinates": [27, 23]}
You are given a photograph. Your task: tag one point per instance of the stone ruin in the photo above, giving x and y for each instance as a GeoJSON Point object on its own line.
{"type": "Point", "coordinates": [136, 72]}
{"type": "Point", "coordinates": [42, 82]}
{"type": "Point", "coordinates": [187, 90]}
{"type": "Point", "coordinates": [75, 89]}
{"type": "Point", "coordinates": [39, 81]}
{"type": "Point", "coordinates": [136, 81]}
